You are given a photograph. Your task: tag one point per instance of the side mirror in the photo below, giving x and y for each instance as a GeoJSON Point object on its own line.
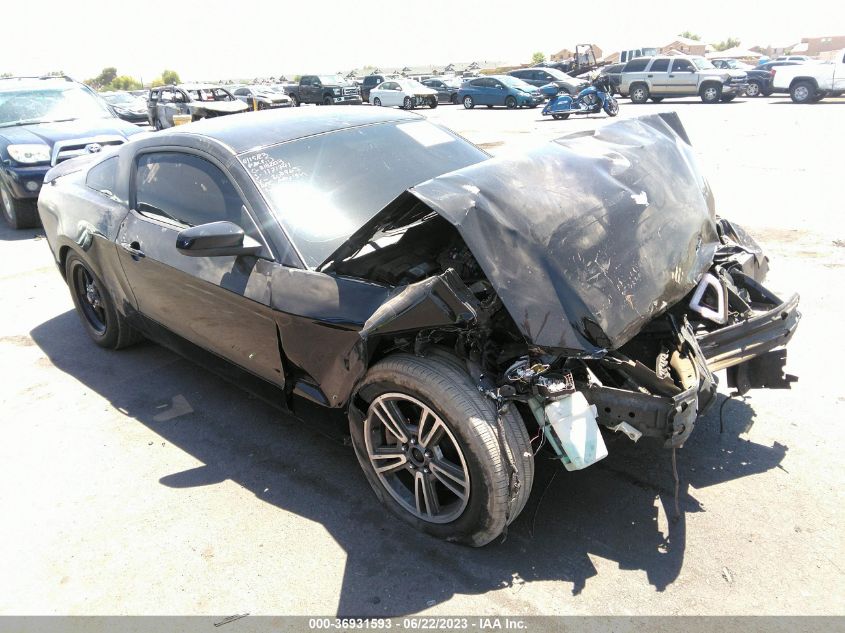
{"type": "Point", "coordinates": [216, 239]}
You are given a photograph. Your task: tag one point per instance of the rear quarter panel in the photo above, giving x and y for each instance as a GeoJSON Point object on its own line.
{"type": "Point", "coordinates": [81, 220]}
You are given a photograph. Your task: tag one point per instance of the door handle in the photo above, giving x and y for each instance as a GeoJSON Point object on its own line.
{"type": "Point", "coordinates": [133, 248]}
{"type": "Point", "coordinates": [651, 75]}
{"type": "Point", "coordinates": [671, 75]}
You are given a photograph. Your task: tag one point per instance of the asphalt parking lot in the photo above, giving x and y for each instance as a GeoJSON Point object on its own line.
{"type": "Point", "coordinates": [138, 483]}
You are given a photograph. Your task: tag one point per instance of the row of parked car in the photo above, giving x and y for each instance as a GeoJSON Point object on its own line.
{"type": "Point", "coordinates": [657, 77]}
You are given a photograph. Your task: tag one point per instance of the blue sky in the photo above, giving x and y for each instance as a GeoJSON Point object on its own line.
{"type": "Point", "coordinates": [214, 39]}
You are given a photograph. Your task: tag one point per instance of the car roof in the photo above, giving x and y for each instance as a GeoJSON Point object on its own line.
{"type": "Point", "coordinates": [16, 83]}
{"type": "Point", "coordinates": [244, 132]}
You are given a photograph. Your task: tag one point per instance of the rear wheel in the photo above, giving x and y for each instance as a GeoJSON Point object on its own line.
{"type": "Point", "coordinates": [294, 100]}
{"type": "Point", "coordinates": [431, 448]}
{"type": "Point", "coordinates": [510, 103]}
{"type": "Point", "coordinates": [454, 99]}
{"type": "Point", "coordinates": [711, 93]}
{"type": "Point", "coordinates": [469, 104]}
{"type": "Point", "coordinates": [639, 93]}
{"type": "Point", "coordinates": [19, 214]}
{"type": "Point", "coordinates": [106, 327]}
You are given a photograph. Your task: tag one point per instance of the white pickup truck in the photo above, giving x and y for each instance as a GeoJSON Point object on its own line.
{"type": "Point", "coordinates": [812, 82]}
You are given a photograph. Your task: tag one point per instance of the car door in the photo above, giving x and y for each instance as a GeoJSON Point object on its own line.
{"type": "Point", "coordinates": [682, 78]}
{"type": "Point", "coordinates": [383, 92]}
{"type": "Point", "coordinates": [498, 92]}
{"type": "Point", "coordinates": [658, 74]}
{"type": "Point", "coordinates": [839, 74]}
{"type": "Point", "coordinates": [221, 304]}
{"type": "Point", "coordinates": [540, 78]}
{"type": "Point", "coordinates": [152, 100]}
{"type": "Point", "coordinates": [165, 107]}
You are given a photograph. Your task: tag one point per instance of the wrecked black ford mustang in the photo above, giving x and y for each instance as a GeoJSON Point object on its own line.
{"type": "Point", "coordinates": [455, 305]}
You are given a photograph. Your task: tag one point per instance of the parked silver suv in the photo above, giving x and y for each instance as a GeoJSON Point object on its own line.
{"type": "Point", "coordinates": [654, 78]}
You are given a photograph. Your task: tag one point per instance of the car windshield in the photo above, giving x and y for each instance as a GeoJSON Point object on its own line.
{"type": "Point", "coordinates": [331, 79]}
{"type": "Point", "coordinates": [45, 105]}
{"type": "Point", "coordinates": [120, 98]}
{"type": "Point", "coordinates": [452, 83]}
{"type": "Point", "coordinates": [702, 64]}
{"type": "Point", "coordinates": [513, 82]}
{"type": "Point", "coordinates": [411, 84]}
{"type": "Point", "coordinates": [558, 74]}
{"type": "Point", "coordinates": [325, 187]}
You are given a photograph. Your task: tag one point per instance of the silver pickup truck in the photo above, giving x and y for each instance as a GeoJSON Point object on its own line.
{"type": "Point", "coordinates": [655, 78]}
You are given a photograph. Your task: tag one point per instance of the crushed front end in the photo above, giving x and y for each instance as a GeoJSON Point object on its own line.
{"type": "Point", "coordinates": [587, 283]}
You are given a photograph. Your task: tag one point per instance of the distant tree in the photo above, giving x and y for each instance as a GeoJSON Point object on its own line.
{"type": "Point", "coordinates": [6, 75]}
{"type": "Point", "coordinates": [125, 82]}
{"type": "Point", "coordinates": [538, 57]}
{"type": "Point", "coordinates": [296, 78]}
{"type": "Point", "coordinates": [690, 36]}
{"type": "Point", "coordinates": [726, 44]}
{"type": "Point", "coordinates": [170, 77]}
{"type": "Point", "coordinates": [103, 79]}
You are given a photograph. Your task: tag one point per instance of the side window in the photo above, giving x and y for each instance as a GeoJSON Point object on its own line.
{"type": "Point", "coordinates": [636, 65]}
{"type": "Point", "coordinates": [660, 65]}
{"type": "Point", "coordinates": [543, 75]}
{"type": "Point", "coordinates": [241, 92]}
{"type": "Point", "coordinates": [477, 83]}
{"type": "Point", "coordinates": [681, 65]}
{"type": "Point", "coordinates": [305, 81]}
{"type": "Point", "coordinates": [153, 95]}
{"type": "Point", "coordinates": [103, 177]}
{"type": "Point", "coordinates": [185, 189]}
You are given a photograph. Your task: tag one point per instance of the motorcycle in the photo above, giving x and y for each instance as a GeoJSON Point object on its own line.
{"type": "Point", "coordinates": [594, 98]}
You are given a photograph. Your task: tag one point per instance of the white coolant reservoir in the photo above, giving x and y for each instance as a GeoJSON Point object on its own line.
{"type": "Point", "coordinates": [573, 421]}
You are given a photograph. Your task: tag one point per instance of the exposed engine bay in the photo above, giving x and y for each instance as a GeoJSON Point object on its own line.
{"type": "Point", "coordinates": [654, 385]}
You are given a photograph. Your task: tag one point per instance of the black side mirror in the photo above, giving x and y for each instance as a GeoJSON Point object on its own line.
{"type": "Point", "coordinates": [216, 239]}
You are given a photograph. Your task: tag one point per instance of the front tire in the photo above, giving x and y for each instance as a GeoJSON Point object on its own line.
{"type": "Point", "coordinates": [439, 467]}
{"type": "Point", "coordinates": [19, 214]}
{"type": "Point", "coordinates": [711, 93]}
{"type": "Point", "coordinates": [639, 93]}
{"type": "Point", "coordinates": [408, 103]}
{"type": "Point", "coordinates": [432, 102]}
{"type": "Point", "coordinates": [802, 92]}
{"type": "Point", "coordinates": [295, 100]}
{"type": "Point", "coordinates": [377, 102]}
{"type": "Point", "coordinates": [727, 98]}
{"type": "Point", "coordinates": [657, 99]}
{"type": "Point", "coordinates": [95, 307]}
{"type": "Point", "coordinates": [469, 104]}
{"type": "Point", "coordinates": [560, 117]}
{"type": "Point", "coordinates": [753, 89]}
{"type": "Point", "coordinates": [611, 106]}
{"type": "Point", "coordinates": [455, 99]}
{"type": "Point", "coordinates": [327, 100]}
{"type": "Point", "coordinates": [510, 103]}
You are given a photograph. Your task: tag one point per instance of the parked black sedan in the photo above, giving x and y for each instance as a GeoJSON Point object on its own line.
{"type": "Point", "coordinates": [126, 106]}
{"type": "Point", "coordinates": [543, 76]}
{"type": "Point", "coordinates": [446, 87]}
{"type": "Point", "coordinates": [450, 302]}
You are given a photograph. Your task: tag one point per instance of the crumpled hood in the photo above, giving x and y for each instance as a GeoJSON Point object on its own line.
{"type": "Point", "coordinates": [225, 107]}
{"type": "Point", "coordinates": [585, 239]}
{"type": "Point", "coordinates": [50, 133]}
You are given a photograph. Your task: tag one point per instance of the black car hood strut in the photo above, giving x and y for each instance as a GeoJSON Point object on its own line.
{"type": "Point", "coordinates": [585, 239]}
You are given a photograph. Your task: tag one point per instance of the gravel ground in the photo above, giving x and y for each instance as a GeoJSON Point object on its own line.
{"type": "Point", "coordinates": [138, 483]}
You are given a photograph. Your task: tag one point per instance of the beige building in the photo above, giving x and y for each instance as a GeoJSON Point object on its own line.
{"type": "Point", "coordinates": [564, 54]}
{"type": "Point", "coordinates": [815, 46]}
{"type": "Point", "coordinates": [684, 46]}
